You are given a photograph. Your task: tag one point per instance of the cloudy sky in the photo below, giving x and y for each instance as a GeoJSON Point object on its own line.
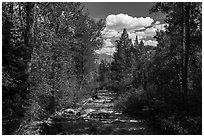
{"type": "Point", "coordinates": [134, 16]}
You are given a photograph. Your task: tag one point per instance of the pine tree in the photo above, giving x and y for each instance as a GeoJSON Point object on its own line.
{"type": "Point", "coordinates": [121, 65]}
{"type": "Point", "coordinates": [179, 18]}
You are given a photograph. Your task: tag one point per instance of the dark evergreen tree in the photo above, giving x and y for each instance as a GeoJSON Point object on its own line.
{"type": "Point", "coordinates": [184, 22]}
{"type": "Point", "coordinates": [121, 64]}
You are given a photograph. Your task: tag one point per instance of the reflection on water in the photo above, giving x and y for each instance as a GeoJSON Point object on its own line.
{"type": "Point", "coordinates": [96, 117]}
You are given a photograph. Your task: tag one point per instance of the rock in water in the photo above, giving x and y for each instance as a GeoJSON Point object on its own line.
{"type": "Point", "coordinates": [70, 111]}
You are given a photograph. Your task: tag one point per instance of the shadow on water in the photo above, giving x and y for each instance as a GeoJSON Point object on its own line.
{"type": "Point", "coordinates": [96, 117]}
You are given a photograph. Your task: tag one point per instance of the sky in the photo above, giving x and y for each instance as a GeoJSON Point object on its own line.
{"type": "Point", "coordinates": [134, 16]}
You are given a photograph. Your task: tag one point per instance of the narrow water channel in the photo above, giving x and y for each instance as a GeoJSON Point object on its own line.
{"type": "Point", "coordinates": [97, 117]}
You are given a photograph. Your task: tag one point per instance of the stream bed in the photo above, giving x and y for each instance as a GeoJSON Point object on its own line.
{"type": "Point", "coordinates": [97, 116]}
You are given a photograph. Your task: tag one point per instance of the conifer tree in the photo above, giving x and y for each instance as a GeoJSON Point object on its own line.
{"type": "Point", "coordinates": [121, 64]}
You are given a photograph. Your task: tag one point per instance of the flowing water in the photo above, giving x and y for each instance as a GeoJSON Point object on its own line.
{"type": "Point", "coordinates": [97, 117]}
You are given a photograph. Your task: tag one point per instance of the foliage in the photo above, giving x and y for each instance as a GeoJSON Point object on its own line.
{"type": "Point", "coordinates": [48, 64]}
{"type": "Point", "coordinates": [162, 83]}
{"type": "Point", "coordinates": [121, 61]}
{"type": "Point", "coordinates": [48, 60]}
{"type": "Point", "coordinates": [15, 56]}
{"type": "Point", "coordinates": [132, 102]}
{"type": "Point", "coordinates": [104, 74]}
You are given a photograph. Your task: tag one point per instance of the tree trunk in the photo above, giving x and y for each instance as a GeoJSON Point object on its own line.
{"type": "Point", "coordinates": [29, 27]}
{"type": "Point", "coordinates": [185, 43]}
{"type": "Point", "coordinates": [29, 33]}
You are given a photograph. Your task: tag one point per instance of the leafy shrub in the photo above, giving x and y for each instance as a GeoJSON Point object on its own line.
{"type": "Point", "coordinates": [132, 102]}
{"type": "Point", "coordinates": [171, 126]}
{"type": "Point", "coordinates": [181, 125]}
{"type": "Point", "coordinates": [193, 124]}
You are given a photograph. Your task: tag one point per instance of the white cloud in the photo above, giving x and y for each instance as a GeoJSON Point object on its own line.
{"type": "Point", "coordinates": [157, 23]}
{"type": "Point", "coordinates": [108, 43]}
{"type": "Point", "coordinates": [120, 21]}
{"type": "Point", "coordinates": [108, 47]}
{"type": "Point", "coordinates": [110, 33]}
{"type": "Point", "coordinates": [150, 42]}
{"type": "Point", "coordinates": [147, 32]}
{"type": "Point", "coordinates": [106, 50]}
{"type": "Point", "coordinates": [159, 26]}
{"type": "Point", "coordinates": [116, 23]}
{"type": "Point", "coordinates": [150, 32]}
{"type": "Point", "coordinates": [132, 36]}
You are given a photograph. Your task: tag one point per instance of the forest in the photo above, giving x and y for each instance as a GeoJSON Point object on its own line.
{"type": "Point", "coordinates": [49, 65]}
